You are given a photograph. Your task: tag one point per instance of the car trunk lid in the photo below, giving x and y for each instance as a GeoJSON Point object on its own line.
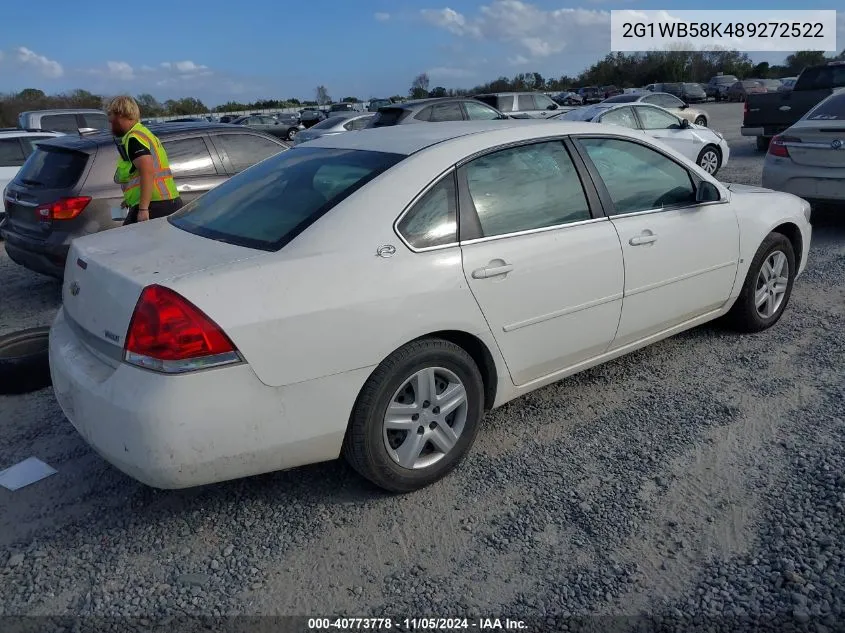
{"type": "Point", "coordinates": [53, 172]}
{"type": "Point", "coordinates": [819, 147]}
{"type": "Point", "coordinates": [105, 274]}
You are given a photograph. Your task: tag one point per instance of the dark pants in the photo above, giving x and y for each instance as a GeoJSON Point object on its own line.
{"type": "Point", "coordinates": [158, 209]}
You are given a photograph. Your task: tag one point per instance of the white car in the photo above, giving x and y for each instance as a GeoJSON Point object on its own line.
{"type": "Point", "coordinates": [15, 147]}
{"type": "Point", "coordinates": [706, 147]}
{"type": "Point", "coordinates": [372, 294]}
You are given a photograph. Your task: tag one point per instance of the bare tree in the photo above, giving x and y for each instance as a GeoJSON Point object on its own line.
{"type": "Point", "coordinates": [323, 97]}
{"type": "Point", "coordinates": [419, 87]}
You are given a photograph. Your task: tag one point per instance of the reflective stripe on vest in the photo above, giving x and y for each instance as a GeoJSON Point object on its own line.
{"type": "Point", "coordinates": [164, 185]}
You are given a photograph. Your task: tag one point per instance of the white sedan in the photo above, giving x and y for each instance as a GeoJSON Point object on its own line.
{"type": "Point", "coordinates": [706, 147]}
{"type": "Point", "coordinates": [373, 294]}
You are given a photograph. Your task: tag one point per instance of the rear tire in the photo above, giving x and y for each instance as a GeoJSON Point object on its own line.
{"type": "Point", "coordinates": [763, 143]}
{"type": "Point", "coordinates": [765, 283]}
{"type": "Point", "coordinates": [380, 447]}
{"type": "Point", "coordinates": [24, 361]}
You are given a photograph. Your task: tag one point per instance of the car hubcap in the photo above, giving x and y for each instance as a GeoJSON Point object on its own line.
{"type": "Point", "coordinates": [700, 121]}
{"type": "Point", "coordinates": [425, 418]}
{"type": "Point", "coordinates": [709, 162]}
{"type": "Point", "coordinates": [772, 282]}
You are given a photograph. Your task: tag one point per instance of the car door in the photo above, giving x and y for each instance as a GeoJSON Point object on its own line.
{"type": "Point", "coordinates": [525, 105]}
{"type": "Point", "coordinates": [544, 105]}
{"type": "Point", "coordinates": [450, 111]}
{"type": "Point", "coordinates": [623, 116]}
{"type": "Point", "coordinates": [480, 111]}
{"type": "Point", "coordinates": [194, 168]}
{"type": "Point", "coordinates": [11, 159]}
{"type": "Point", "coordinates": [543, 265]}
{"type": "Point", "coordinates": [680, 256]}
{"type": "Point", "coordinates": [241, 150]}
{"type": "Point", "coordinates": [667, 128]}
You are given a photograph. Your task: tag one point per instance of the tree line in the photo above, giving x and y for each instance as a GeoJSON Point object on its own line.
{"type": "Point", "coordinates": [619, 69]}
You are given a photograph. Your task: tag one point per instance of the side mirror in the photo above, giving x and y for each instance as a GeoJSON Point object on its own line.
{"type": "Point", "coordinates": [553, 106]}
{"type": "Point", "coordinates": [706, 192]}
{"type": "Point", "coordinates": [684, 106]}
{"type": "Point", "coordinates": [684, 124]}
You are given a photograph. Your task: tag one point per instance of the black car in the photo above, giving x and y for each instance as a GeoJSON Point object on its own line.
{"type": "Point", "coordinates": [310, 117]}
{"type": "Point", "coordinates": [590, 94]}
{"type": "Point", "coordinates": [66, 188]}
{"type": "Point", "coordinates": [686, 92]}
{"type": "Point", "coordinates": [228, 118]}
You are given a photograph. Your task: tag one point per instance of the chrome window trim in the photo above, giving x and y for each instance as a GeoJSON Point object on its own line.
{"type": "Point", "coordinates": [675, 207]}
{"type": "Point", "coordinates": [543, 229]}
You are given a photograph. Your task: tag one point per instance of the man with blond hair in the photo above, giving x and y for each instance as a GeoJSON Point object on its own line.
{"type": "Point", "coordinates": [143, 171]}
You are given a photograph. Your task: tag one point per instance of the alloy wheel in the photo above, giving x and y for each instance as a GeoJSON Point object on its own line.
{"type": "Point", "coordinates": [709, 161]}
{"type": "Point", "coordinates": [425, 418]}
{"type": "Point", "coordinates": [772, 283]}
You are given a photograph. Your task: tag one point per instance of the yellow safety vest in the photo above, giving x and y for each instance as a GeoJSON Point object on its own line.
{"type": "Point", "coordinates": [127, 176]}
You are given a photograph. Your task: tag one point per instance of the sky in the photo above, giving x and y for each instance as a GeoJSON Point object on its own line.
{"type": "Point", "coordinates": [283, 48]}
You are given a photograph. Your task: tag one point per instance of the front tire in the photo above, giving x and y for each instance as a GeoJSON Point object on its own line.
{"type": "Point", "coordinates": [709, 159]}
{"type": "Point", "coordinates": [416, 416]}
{"type": "Point", "coordinates": [767, 288]}
{"type": "Point", "coordinates": [292, 134]}
{"type": "Point", "coordinates": [702, 121]}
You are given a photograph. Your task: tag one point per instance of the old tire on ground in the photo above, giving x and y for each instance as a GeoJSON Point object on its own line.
{"type": "Point", "coordinates": [24, 362]}
{"type": "Point", "coordinates": [767, 288]}
{"type": "Point", "coordinates": [398, 436]}
{"type": "Point", "coordinates": [763, 143]}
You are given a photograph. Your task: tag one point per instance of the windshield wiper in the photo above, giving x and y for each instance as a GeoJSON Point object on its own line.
{"type": "Point", "coordinates": [33, 183]}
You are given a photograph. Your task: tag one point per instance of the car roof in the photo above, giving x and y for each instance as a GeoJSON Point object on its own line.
{"type": "Point", "coordinates": [409, 139]}
{"type": "Point", "coordinates": [161, 130]}
{"type": "Point", "coordinates": [64, 111]}
{"type": "Point", "coordinates": [415, 103]}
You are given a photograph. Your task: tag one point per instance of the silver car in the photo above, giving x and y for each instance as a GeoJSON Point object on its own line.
{"type": "Point", "coordinates": [808, 159]}
{"type": "Point", "coordinates": [667, 102]}
{"type": "Point", "coordinates": [532, 104]}
{"type": "Point", "coordinates": [338, 123]}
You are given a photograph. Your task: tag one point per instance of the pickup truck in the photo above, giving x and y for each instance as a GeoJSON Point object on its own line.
{"type": "Point", "coordinates": [769, 114]}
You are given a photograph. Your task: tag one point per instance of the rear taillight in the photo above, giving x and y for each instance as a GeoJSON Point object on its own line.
{"type": "Point", "coordinates": [168, 333]}
{"type": "Point", "coordinates": [745, 108]}
{"type": "Point", "coordinates": [777, 146]}
{"type": "Point", "coordinates": [62, 209]}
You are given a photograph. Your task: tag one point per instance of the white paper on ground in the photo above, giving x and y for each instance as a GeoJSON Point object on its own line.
{"type": "Point", "coordinates": [24, 473]}
{"type": "Point", "coordinates": [118, 213]}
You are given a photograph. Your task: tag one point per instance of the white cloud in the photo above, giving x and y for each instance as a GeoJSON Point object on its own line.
{"type": "Point", "coordinates": [120, 70]}
{"type": "Point", "coordinates": [147, 69]}
{"type": "Point", "coordinates": [534, 32]}
{"type": "Point", "coordinates": [47, 67]}
{"type": "Point", "coordinates": [448, 72]}
{"type": "Point", "coordinates": [188, 66]}
{"type": "Point", "coordinates": [382, 17]}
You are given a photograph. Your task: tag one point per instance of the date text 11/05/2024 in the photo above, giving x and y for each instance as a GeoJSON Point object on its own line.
{"type": "Point", "coordinates": [416, 624]}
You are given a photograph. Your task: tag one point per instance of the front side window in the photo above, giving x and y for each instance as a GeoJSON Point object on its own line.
{"type": "Point", "coordinates": [526, 187]}
{"type": "Point", "coordinates": [480, 112]}
{"type": "Point", "coordinates": [432, 221]}
{"type": "Point", "coordinates": [620, 116]}
{"type": "Point", "coordinates": [656, 119]}
{"type": "Point", "coordinates": [638, 178]}
{"type": "Point", "coordinates": [189, 157]}
{"type": "Point", "coordinates": [244, 150]}
{"type": "Point", "coordinates": [544, 102]}
{"type": "Point", "coordinates": [268, 206]}
{"type": "Point", "coordinates": [525, 102]}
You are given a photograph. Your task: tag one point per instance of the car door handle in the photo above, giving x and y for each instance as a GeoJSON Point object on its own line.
{"type": "Point", "coordinates": [184, 188]}
{"type": "Point", "coordinates": [640, 240]}
{"type": "Point", "coordinates": [491, 271]}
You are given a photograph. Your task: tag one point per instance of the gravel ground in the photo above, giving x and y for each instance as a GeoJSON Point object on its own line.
{"type": "Point", "coordinates": [698, 484]}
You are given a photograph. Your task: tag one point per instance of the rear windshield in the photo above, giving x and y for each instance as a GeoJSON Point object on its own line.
{"type": "Point", "coordinates": [821, 77]}
{"type": "Point", "coordinates": [693, 87]}
{"type": "Point", "coordinates": [831, 109]}
{"type": "Point", "coordinates": [268, 205]}
{"type": "Point", "coordinates": [623, 98]}
{"type": "Point", "coordinates": [389, 116]}
{"type": "Point", "coordinates": [52, 168]}
{"type": "Point", "coordinates": [95, 120]}
{"type": "Point", "coordinates": [582, 114]}
{"type": "Point", "coordinates": [725, 79]}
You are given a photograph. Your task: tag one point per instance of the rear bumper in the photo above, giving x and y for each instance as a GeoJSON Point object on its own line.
{"type": "Point", "coordinates": [816, 184]}
{"type": "Point", "coordinates": [42, 256]}
{"type": "Point", "coordinates": [751, 131]}
{"type": "Point", "coordinates": [199, 428]}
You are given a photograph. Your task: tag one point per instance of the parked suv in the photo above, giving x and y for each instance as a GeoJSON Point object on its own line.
{"type": "Point", "coordinates": [66, 187]}
{"type": "Point", "coordinates": [590, 94]}
{"type": "Point", "coordinates": [533, 104]}
{"type": "Point", "coordinates": [67, 120]}
{"type": "Point", "coordinates": [15, 147]}
{"type": "Point", "coordinates": [434, 111]}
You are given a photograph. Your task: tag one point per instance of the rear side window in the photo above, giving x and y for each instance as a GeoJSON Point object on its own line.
{"type": "Point", "coordinates": [60, 123]}
{"type": "Point", "coordinates": [268, 206]}
{"type": "Point", "coordinates": [432, 221]}
{"type": "Point", "coordinates": [189, 157]}
{"type": "Point", "coordinates": [244, 150]}
{"type": "Point", "coordinates": [52, 168]}
{"type": "Point", "coordinates": [11, 152]}
{"type": "Point", "coordinates": [831, 109]}
{"type": "Point", "coordinates": [525, 102]}
{"type": "Point", "coordinates": [447, 112]}
{"type": "Point", "coordinates": [502, 104]}
{"type": "Point", "coordinates": [330, 122]}
{"type": "Point", "coordinates": [389, 116]}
